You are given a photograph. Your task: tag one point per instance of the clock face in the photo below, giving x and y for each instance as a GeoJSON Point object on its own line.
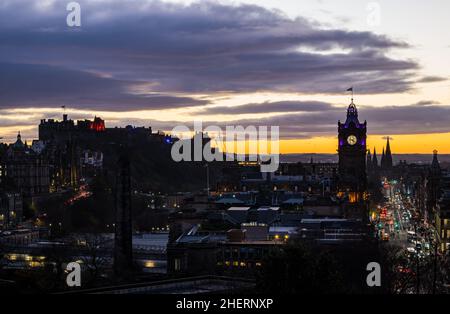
{"type": "Point", "coordinates": [352, 140]}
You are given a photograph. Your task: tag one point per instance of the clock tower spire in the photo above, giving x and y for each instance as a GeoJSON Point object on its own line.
{"type": "Point", "coordinates": [352, 136]}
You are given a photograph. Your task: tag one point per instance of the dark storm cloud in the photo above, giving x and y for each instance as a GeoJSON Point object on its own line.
{"type": "Point", "coordinates": [29, 85]}
{"type": "Point", "coordinates": [432, 79]}
{"type": "Point", "coordinates": [304, 121]}
{"type": "Point", "coordinates": [413, 119]}
{"type": "Point", "coordinates": [427, 103]}
{"type": "Point", "coordinates": [203, 48]}
{"type": "Point", "coordinates": [277, 106]}
{"type": "Point", "coordinates": [307, 118]}
{"type": "Point", "coordinates": [423, 117]}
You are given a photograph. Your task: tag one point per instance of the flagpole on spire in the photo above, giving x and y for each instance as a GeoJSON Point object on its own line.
{"type": "Point", "coordinates": [351, 90]}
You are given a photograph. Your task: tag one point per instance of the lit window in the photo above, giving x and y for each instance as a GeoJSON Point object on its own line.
{"type": "Point", "coordinates": [149, 264]}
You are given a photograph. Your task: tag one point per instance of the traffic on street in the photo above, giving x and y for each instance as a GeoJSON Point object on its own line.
{"type": "Point", "coordinates": [400, 224]}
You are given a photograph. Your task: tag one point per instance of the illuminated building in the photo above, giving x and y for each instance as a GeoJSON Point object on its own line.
{"type": "Point", "coordinates": [11, 209]}
{"type": "Point", "coordinates": [50, 130]}
{"type": "Point", "coordinates": [433, 187]}
{"type": "Point", "coordinates": [443, 222]}
{"type": "Point", "coordinates": [98, 125]}
{"type": "Point", "coordinates": [352, 181]}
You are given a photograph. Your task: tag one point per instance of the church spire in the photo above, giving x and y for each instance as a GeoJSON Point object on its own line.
{"type": "Point", "coordinates": [18, 143]}
{"type": "Point", "coordinates": [375, 159]}
{"type": "Point", "coordinates": [435, 167]}
{"type": "Point", "coordinates": [388, 156]}
{"type": "Point", "coordinates": [369, 161]}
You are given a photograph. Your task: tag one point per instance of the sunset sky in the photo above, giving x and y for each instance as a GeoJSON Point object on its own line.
{"type": "Point", "coordinates": [259, 62]}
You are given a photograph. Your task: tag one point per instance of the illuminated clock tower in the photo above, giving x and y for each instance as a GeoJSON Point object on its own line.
{"type": "Point", "coordinates": [352, 157]}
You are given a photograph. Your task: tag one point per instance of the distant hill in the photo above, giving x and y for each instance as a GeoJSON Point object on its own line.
{"type": "Point", "coordinates": [410, 158]}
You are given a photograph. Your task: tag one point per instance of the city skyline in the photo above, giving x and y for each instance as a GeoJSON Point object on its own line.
{"type": "Point", "coordinates": [283, 69]}
{"type": "Point", "coordinates": [225, 154]}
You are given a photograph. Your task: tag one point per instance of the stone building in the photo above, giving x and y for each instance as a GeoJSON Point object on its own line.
{"type": "Point", "coordinates": [24, 170]}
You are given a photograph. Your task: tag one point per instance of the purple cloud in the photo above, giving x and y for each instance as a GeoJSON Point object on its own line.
{"type": "Point", "coordinates": [204, 47]}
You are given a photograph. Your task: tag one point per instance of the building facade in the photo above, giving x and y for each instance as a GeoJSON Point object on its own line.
{"type": "Point", "coordinates": [24, 170]}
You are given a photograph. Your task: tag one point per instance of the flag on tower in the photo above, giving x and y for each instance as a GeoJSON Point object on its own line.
{"type": "Point", "coordinates": [351, 90]}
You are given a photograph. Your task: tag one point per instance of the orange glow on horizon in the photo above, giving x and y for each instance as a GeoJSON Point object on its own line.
{"type": "Point", "coordinates": [401, 144]}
